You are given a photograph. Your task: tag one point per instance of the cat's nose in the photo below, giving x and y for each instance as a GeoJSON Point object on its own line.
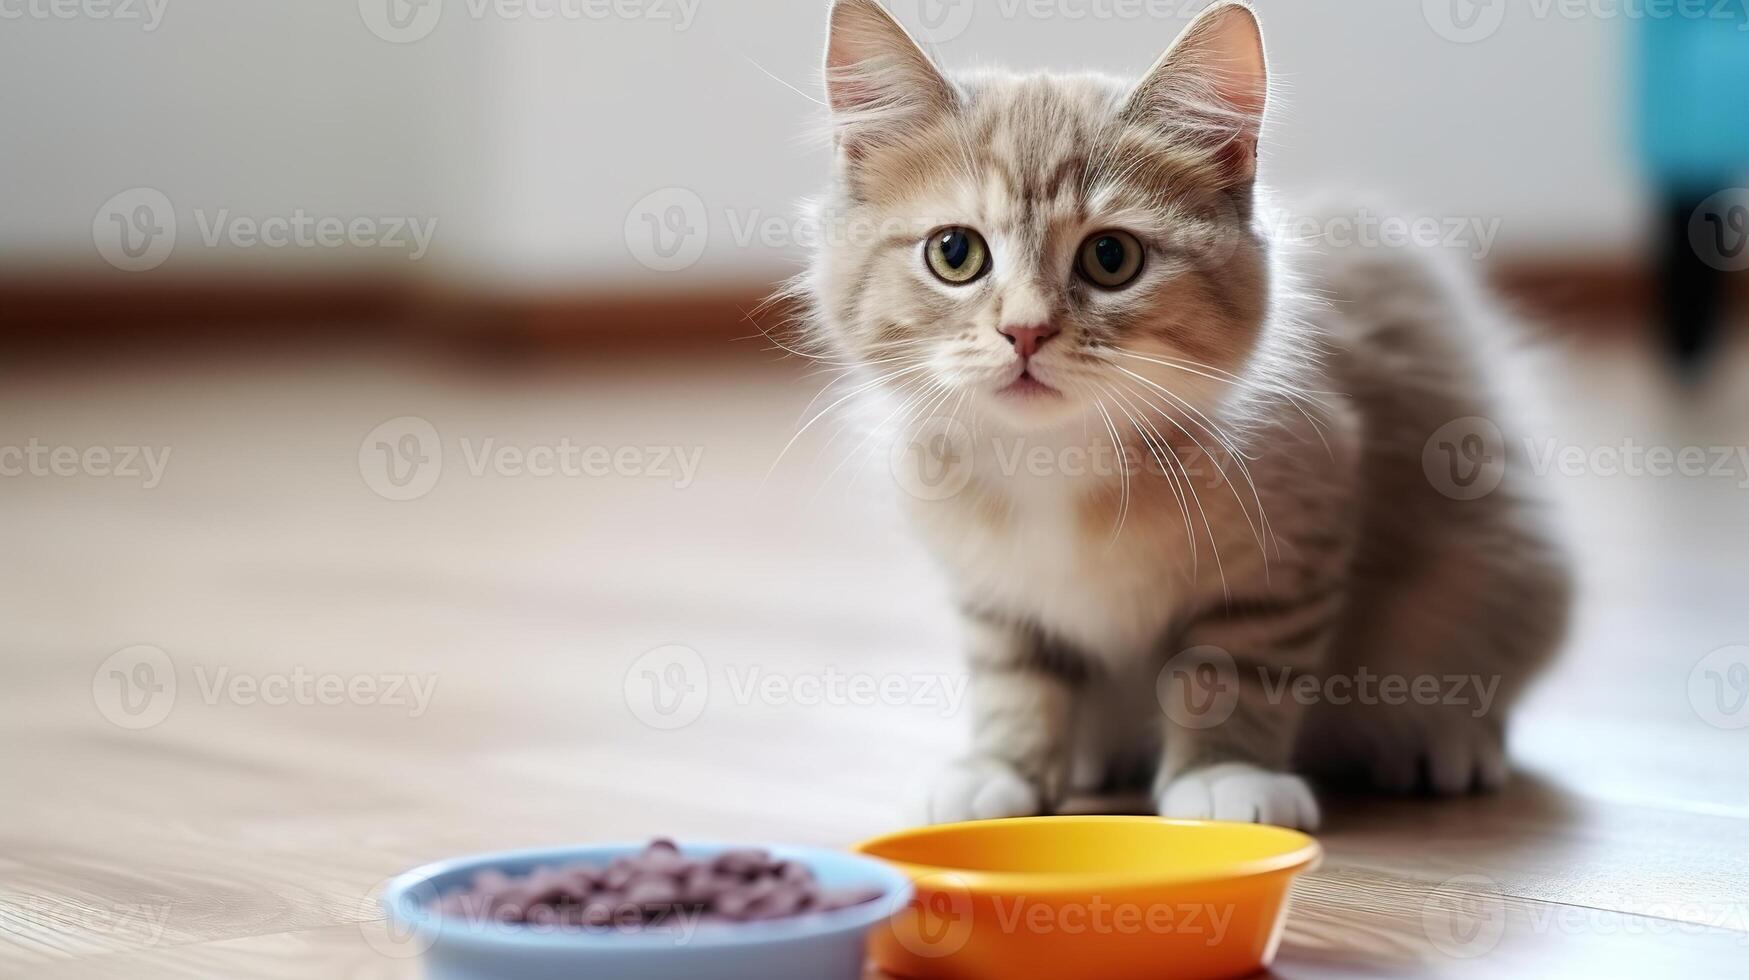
{"type": "Point", "coordinates": [1027, 340]}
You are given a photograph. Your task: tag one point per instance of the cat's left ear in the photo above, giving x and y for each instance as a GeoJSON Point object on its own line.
{"type": "Point", "coordinates": [1212, 86]}
{"type": "Point", "coordinates": [878, 81]}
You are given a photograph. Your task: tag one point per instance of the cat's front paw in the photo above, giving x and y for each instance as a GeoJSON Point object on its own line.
{"type": "Point", "coordinates": [1242, 792]}
{"type": "Point", "coordinates": [979, 789]}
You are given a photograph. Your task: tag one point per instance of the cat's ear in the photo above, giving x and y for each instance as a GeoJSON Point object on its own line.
{"type": "Point", "coordinates": [1212, 86]}
{"type": "Point", "coordinates": [878, 81]}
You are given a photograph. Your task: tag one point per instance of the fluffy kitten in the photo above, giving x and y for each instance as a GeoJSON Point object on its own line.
{"type": "Point", "coordinates": [1054, 273]}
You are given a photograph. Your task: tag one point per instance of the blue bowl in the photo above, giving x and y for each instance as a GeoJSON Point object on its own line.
{"type": "Point", "coordinates": [815, 946]}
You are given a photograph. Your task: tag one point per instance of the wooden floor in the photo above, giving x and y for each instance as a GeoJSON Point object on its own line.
{"type": "Point", "coordinates": [233, 836]}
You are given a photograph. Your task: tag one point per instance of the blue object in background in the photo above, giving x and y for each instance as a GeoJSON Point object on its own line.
{"type": "Point", "coordinates": [1694, 94]}
{"type": "Point", "coordinates": [1694, 143]}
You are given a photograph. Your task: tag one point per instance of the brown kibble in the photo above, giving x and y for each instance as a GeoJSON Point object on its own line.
{"type": "Point", "coordinates": [745, 862]}
{"type": "Point", "coordinates": [655, 888]}
{"type": "Point", "coordinates": [794, 872]}
{"type": "Point", "coordinates": [652, 893]}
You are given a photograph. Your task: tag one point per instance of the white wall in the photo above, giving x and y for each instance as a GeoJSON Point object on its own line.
{"type": "Point", "coordinates": [530, 140]}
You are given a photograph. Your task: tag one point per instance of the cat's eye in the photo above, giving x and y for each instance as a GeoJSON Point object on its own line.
{"type": "Point", "coordinates": [1110, 259]}
{"type": "Point", "coordinates": [957, 256]}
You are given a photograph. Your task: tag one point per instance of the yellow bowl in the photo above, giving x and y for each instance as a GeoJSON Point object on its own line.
{"type": "Point", "coordinates": [1101, 898]}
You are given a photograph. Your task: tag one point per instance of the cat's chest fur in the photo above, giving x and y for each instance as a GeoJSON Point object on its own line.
{"type": "Point", "coordinates": [1029, 551]}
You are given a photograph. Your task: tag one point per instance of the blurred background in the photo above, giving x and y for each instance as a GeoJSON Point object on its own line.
{"type": "Point", "coordinates": [546, 148]}
{"type": "Point", "coordinates": [408, 341]}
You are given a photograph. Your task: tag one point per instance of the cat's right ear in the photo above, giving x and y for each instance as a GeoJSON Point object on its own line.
{"type": "Point", "coordinates": [878, 81]}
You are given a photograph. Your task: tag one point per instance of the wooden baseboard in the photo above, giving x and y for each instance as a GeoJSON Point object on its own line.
{"type": "Point", "coordinates": [56, 315]}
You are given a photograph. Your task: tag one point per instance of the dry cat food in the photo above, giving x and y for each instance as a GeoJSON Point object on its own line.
{"type": "Point", "coordinates": [655, 887]}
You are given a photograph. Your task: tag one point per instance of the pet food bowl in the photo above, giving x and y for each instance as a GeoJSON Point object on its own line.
{"type": "Point", "coordinates": [813, 946]}
{"type": "Point", "coordinates": [1089, 898]}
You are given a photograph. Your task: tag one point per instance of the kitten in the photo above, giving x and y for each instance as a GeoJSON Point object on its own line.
{"type": "Point", "coordinates": [1186, 515]}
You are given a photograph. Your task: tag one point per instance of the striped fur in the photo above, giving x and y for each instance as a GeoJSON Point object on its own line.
{"type": "Point", "coordinates": [1275, 521]}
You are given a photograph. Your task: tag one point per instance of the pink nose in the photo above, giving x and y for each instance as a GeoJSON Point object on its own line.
{"type": "Point", "coordinates": [1027, 340]}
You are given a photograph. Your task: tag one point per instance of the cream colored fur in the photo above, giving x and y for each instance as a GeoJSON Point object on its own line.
{"type": "Point", "coordinates": [1276, 520]}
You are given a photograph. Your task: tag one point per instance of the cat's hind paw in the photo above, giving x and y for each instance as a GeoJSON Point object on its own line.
{"type": "Point", "coordinates": [978, 789]}
{"type": "Point", "coordinates": [1241, 792]}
